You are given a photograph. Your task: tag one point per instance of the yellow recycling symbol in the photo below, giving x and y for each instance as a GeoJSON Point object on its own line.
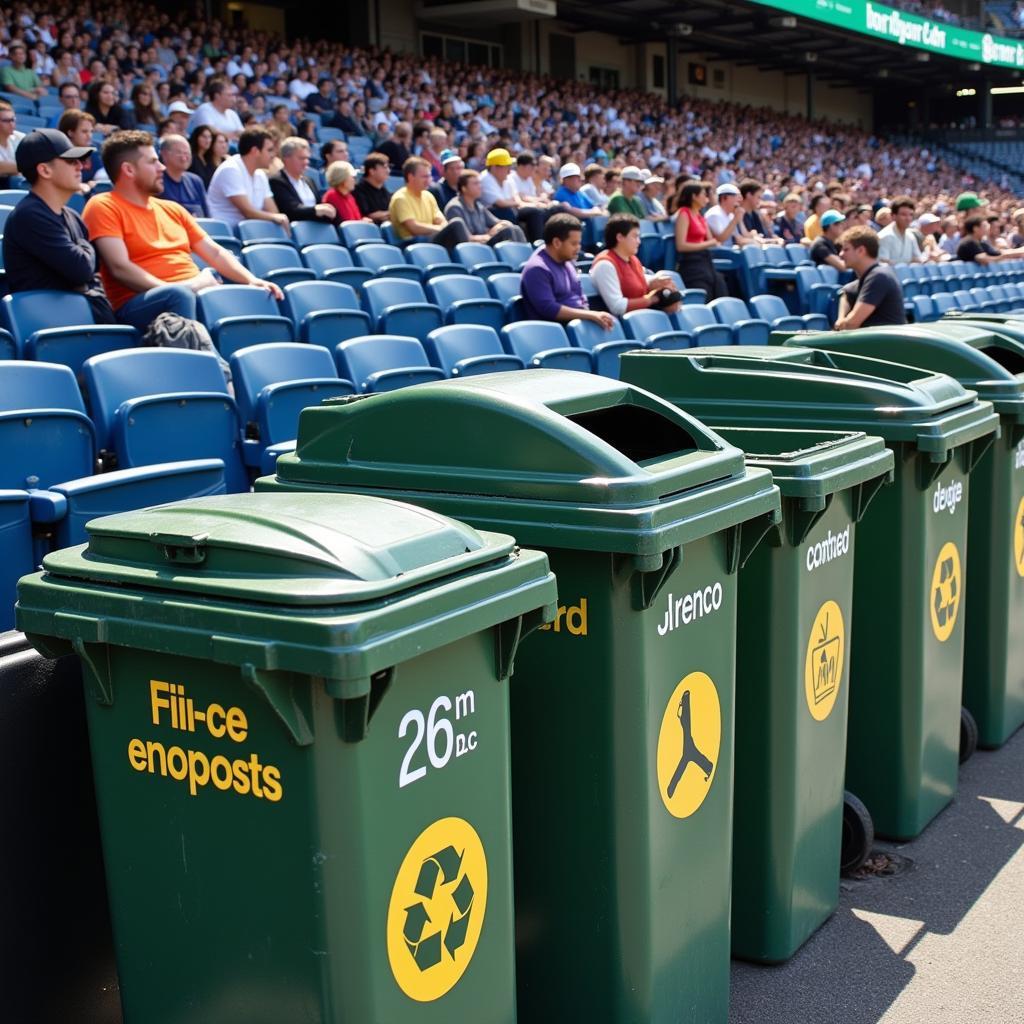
{"type": "Point", "coordinates": [1018, 539]}
{"type": "Point", "coordinates": [947, 592]}
{"type": "Point", "coordinates": [688, 745]}
{"type": "Point", "coordinates": [437, 909]}
{"type": "Point", "coordinates": [823, 665]}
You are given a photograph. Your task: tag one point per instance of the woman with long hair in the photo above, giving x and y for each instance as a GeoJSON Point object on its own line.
{"type": "Point", "coordinates": [102, 103]}
{"type": "Point", "coordinates": [693, 240]}
{"type": "Point", "coordinates": [144, 107]}
{"type": "Point", "coordinates": [201, 141]}
{"type": "Point", "coordinates": [219, 150]}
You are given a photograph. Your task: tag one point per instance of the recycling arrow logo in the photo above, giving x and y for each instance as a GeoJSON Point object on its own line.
{"type": "Point", "coordinates": [946, 592]}
{"type": "Point", "coordinates": [437, 908]}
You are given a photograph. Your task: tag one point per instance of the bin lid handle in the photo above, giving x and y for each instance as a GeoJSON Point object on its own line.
{"type": "Point", "coordinates": [181, 549]}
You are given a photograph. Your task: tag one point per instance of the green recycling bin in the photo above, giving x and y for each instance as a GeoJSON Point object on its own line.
{"type": "Point", "coordinates": [986, 358]}
{"type": "Point", "coordinates": [298, 717]}
{"type": "Point", "coordinates": [907, 634]}
{"type": "Point", "coordinates": [622, 709]}
{"type": "Point", "coordinates": [792, 685]}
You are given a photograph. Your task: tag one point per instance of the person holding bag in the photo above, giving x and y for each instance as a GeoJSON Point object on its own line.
{"type": "Point", "coordinates": [621, 280]}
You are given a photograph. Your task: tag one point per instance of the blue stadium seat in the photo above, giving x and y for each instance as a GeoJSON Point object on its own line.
{"type": "Point", "coordinates": [324, 312]}
{"type": "Point", "coordinates": [653, 329]}
{"type": "Point", "coordinates": [57, 327]}
{"type": "Point", "coordinates": [944, 302]}
{"type": "Point", "coordinates": [543, 343]}
{"type": "Point", "coordinates": [479, 259]}
{"type": "Point", "coordinates": [464, 350]}
{"type": "Point", "coordinates": [257, 232]}
{"type": "Point", "coordinates": [924, 309]}
{"type": "Point", "coordinates": [515, 254]}
{"type": "Point", "coordinates": [314, 232]}
{"type": "Point", "coordinates": [776, 312]}
{"type": "Point", "coordinates": [355, 233]}
{"type": "Point", "coordinates": [652, 245]}
{"type": "Point", "coordinates": [987, 303]}
{"type": "Point", "coordinates": [277, 263]}
{"type": "Point", "coordinates": [504, 287]}
{"type": "Point", "coordinates": [273, 384]}
{"type": "Point", "coordinates": [384, 362]}
{"type": "Point", "coordinates": [400, 307]}
{"type": "Point", "coordinates": [16, 553]}
{"type": "Point", "coordinates": [746, 330]}
{"type": "Point", "coordinates": [593, 233]}
{"type": "Point", "coordinates": [815, 295]}
{"type": "Point", "coordinates": [702, 324]}
{"type": "Point", "coordinates": [798, 254]}
{"type": "Point", "coordinates": [390, 235]}
{"type": "Point", "coordinates": [21, 104]}
{"type": "Point", "coordinates": [334, 263]}
{"type": "Point", "coordinates": [239, 315]}
{"type": "Point", "coordinates": [432, 260]}
{"type": "Point", "coordinates": [691, 296]}
{"type": "Point", "coordinates": [465, 299]}
{"type": "Point", "coordinates": [965, 301]}
{"type": "Point", "coordinates": [156, 404]}
{"type": "Point", "coordinates": [386, 261]}
{"type": "Point", "coordinates": [605, 346]}
{"type": "Point", "coordinates": [5, 212]}
{"type": "Point", "coordinates": [221, 233]}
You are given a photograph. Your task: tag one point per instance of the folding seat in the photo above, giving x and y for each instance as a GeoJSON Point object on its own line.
{"type": "Point", "coordinates": [390, 235]}
{"type": "Point", "coordinates": [543, 343]}
{"type": "Point", "coordinates": [746, 330]}
{"type": "Point", "coordinates": [515, 310]}
{"type": "Point", "coordinates": [1001, 295]}
{"type": "Point", "coordinates": [273, 384]}
{"type": "Point", "coordinates": [156, 404]}
{"type": "Point", "coordinates": [605, 346]}
{"type": "Point", "coordinates": [815, 295]}
{"type": "Point", "coordinates": [50, 451]}
{"type": "Point", "coordinates": [701, 323]}
{"type": "Point", "coordinates": [944, 302]}
{"type": "Point", "coordinates": [400, 307]}
{"type": "Point", "coordinates": [21, 104]}
{"type": "Point", "coordinates": [221, 233]}
{"type": "Point", "coordinates": [314, 232]}
{"type": "Point", "coordinates": [239, 315]}
{"type": "Point", "coordinates": [12, 196]}
{"type": "Point", "coordinates": [776, 312]}
{"type": "Point", "coordinates": [691, 296]}
{"type": "Point", "coordinates": [923, 309]}
{"type": "Point", "coordinates": [355, 233]}
{"type": "Point", "coordinates": [515, 254]}
{"type": "Point", "coordinates": [651, 245]}
{"type": "Point", "coordinates": [752, 270]}
{"type": "Point", "coordinates": [590, 292]}
{"type": "Point", "coordinates": [5, 212]}
{"type": "Point", "coordinates": [432, 260]}
{"type": "Point", "coordinates": [359, 147]}
{"type": "Point", "coordinates": [778, 266]}
{"type": "Point", "coordinates": [798, 254]}
{"type": "Point", "coordinates": [828, 274]}
{"type": "Point", "coordinates": [260, 232]}
{"type": "Point", "coordinates": [384, 362]}
{"type": "Point", "coordinates": [479, 259]}
{"type": "Point", "coordinates": [386, 261]}
{"type": "Point", "coordinates": [987, 303]}
{"type": "Point", "coordinates": [965, 301]}
{"type": "Point", "coordinates": [331, 135]}
{"type": "Point", "coordinates": [593, 233]}
{"type": "Point", "coordinates": [465, 299]}
{"type": "Point", "coordinates": [653, 328]}
{"type": "Point", "coordinates": [464, 350]}
{"type": "Point", "coordinates": [277, 263]}
{"type": "Point", "coordinates": [334, 263]}
{"type": "Point", "coordinates": [324, 312]}
{"type": "Point", "coordinates": [58, 327]}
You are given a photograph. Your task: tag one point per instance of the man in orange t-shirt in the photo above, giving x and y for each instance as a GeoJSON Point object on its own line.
{"type": "Point", "coordinates": [146, 244]}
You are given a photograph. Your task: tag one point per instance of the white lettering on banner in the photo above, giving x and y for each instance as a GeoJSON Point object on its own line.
{"type": "Point", "coordinates": [834, 546]}
{"type": "Point", "coordinates": [684, 610]}
{"type": "Point", "coordinates": [893, 26]}
{"type": "Point", "coordinates": [993, 51]}
{"type": "Point", "coordinates": [946, 499]}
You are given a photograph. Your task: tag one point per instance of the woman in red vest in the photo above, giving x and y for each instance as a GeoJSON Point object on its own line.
{"type": "Point", "coordinates": [620, 278]}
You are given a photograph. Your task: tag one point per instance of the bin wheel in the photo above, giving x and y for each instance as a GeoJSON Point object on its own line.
{"type": "Point", "coordinates": [858, 834]}
{"type": "Point", "coordinates": [968, 735]}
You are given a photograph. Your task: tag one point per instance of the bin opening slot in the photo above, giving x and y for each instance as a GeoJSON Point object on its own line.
{"type": "Point", "coordinates": [640, 434]}
{"type": "Point", "coordinates": [1011, 361]}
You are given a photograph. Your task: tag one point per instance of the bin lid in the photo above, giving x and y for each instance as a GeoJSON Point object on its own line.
{"type": "Point", "coordinates": [812, 464]}
{"type": "Point", "coordinates": [974, 354]}
{"type": "Point", "coordinates": [751, 385]}
{"type": "Point", "coordinates": [321, 578]}
{"type": "Point", "coordinates": [556, 457]}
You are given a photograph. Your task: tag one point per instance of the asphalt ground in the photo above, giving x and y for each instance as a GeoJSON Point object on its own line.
{"type": "Point", "coordinates": [938, 939]}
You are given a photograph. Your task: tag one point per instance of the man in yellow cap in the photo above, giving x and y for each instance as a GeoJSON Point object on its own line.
{"type": "Point", "coordinates": [500, 197]}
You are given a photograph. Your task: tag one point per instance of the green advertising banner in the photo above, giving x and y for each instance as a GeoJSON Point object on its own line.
{"type": "Point", "coordinates": [881, 22]}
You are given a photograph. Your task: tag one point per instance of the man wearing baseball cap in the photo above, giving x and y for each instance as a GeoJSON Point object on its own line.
{"type": "Point", "coordinates": [500, 197]}
{"type": "Point", "coordinates": [724, 217]}
{"type": "Point", "coordinates": [968, 201]}
{"type": "Point", "coordinates": [569, 192]}
{"type": "Point", "coordinates": [625, 199]}
{"type": "Point", "coordinates": [447, 189]}
{"type": "Point", "coordinates": [46, 244]}
{"type": "Point", "coordinates": [824, 249]}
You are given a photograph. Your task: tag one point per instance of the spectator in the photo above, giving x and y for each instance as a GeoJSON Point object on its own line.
{"type": "Point", "coordinates": [201, 144]}
{"type": "Point", "coordinates": [787, 223]}
{"type": "Point", "coordinates": [812, 228]}
{"type": "Point", "coordinates": [78, 126]}
{"type": "Point", "coordinates": [147, 244]}
{"type": "Point", "coordinates": [927, 234]}
{"type": "Point", "coordinates": [752, 224]}
{"type": "Point", "coordinates": [611, 185]}
{"type": "Point", "coordinates": [501, 198]}
{"type": "Point", "coordinates": [1017, 236]}
{"type": "Point", "coordinates": [239, 189]}
{"type": "Point", "coordinates": [543, 176]}
{"type": "Point", "coordinates": [650, 196]}
{"type": "Point", "coordinates": [524, 184]}
{"type": "Point", "coordinates": [219, 110]}
{"type": "Point", "coordinates": [436, 147]}
{"type": "Point", "coordinates": [144, 113]}
{"type": "Point", "coordinates": [593, 184]}
{"type": "Point", "coordinates": [883, 217]}
{"type": "Point", "coordinates": [333, 151]}
{"type": "Point", "coordinates": [950, 238]}
{"type": "Point", "coordinates": [570, 194]}
{"type": "Point", "coordinates": [396, 149]}
{"type": "Point", "coordinates": [10, 139]}
{"type": "Point", "coordinates": [724, 219]}
{"type": "Point", "coordinates": [626, 198]}
{"type": "Point", "coordinates": [343, 118]}
{"type": "Point", "coordinates": [621, 280]}
{"type": "Point", "coordinates": [70, 96]}
{"type": "Point", "coordinates": [414, 212]}
{"type": "Point", "coordinates": [481, 224]}
{"type": "Point", "coordinates": [108, 114]}
{"type": "Point", "coordinates": [896, 242]}
{"type": "Point", "coordinates": [447, 189]}
{"type": "Point", "coordinates": [46, 244]}
{"type": "Point", "coordinates": [322, 101]}
{"type": "Point", "coordinates": [875, 298]}
{"type": "Point", "coordinates": [181, 186]}
{"type": "Point", "coordinates": [295, 193]}
{"type": "Point", "coordinates": [550, 284]}
{"type": "Point", "coordinates": [180, 115]}
{"type": "Point", "coordinates": [824, 248]}
{"type": "Point", "coordinates": [372, 198]}
{"type": "Point", "coordinates": [19, 79]}
{"type": "Point", "coordinates": [975, 246]}
{"type": "Point", "coordinates": [341, 177]}
{"type": "Point", "coordinates": [694, 241]}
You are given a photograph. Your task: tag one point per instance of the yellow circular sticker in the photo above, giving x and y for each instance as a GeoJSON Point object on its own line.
{"type": "Point", "coordinates": [947, 590]}
{"type": "Point", "coordinates": [823, 666]}
{"type": "Point", "coordinates": [437, 909]}
{"type": "Point", "coordinates": [1018, 539]}
{"type": "Point", "coordinates": [689, 744]}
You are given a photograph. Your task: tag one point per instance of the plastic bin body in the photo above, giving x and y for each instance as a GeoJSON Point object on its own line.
{"type": "Point", "coordinates": [289, 787]}
{"type": "Point", "coordinates": [622, 716]}
{"type": "Point", "coordinates": [907, 651]}
{"type": "Point", "coordinates": [793, 685]}
{"type": "Point", "coordinates": [987, 357]}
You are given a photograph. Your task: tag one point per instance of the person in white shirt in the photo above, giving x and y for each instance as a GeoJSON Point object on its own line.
{"type": "Point", "coordinates": [500, 197]}
{"type": "Point", "coordinates": [724, 218]}
{"type": "Point", "coordinates": [9, 139]}
{"type": "Point", "coordinates": [219, 110]}
{"type": "Point", "coordinates": [301, 87]}
{"type": "Point", "coordinates": [240, 189]}
{"type": "Point", "coordinates": [896, 244]}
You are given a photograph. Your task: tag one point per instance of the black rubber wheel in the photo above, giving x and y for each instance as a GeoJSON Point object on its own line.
{"type": "Point", "coordinates": [858, 834]}
{"type": "Point", "coordinates": [968, 735]}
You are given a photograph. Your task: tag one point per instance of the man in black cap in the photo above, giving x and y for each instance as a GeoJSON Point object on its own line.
{"type": "Point", "coordinates": [46, 244]}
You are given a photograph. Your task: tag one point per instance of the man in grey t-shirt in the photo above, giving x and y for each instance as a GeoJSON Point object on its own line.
{"type": "Point", "coordinates": [483, 226]}
{"type": "Point", "coordinates": [875, 298]}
